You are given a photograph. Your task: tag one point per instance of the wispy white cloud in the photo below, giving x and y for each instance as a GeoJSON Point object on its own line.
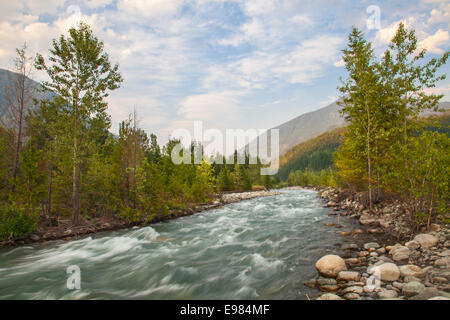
{"type": "Point", "coordinates": [184, 60]}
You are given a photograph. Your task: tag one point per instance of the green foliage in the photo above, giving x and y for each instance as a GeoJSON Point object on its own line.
{"type": "Point", "coordinates": [386, 144]}
{"type": "Point", "coordinates": [81, 75]}
{"type": "Point", "coordinates": [423, 184]}
{"type": "Point", "coordinates": [16, 221]}
{"type": "Point", "coordinates": [312, 155]}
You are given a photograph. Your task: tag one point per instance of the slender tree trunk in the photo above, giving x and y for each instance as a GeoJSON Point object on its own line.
{"type": "Point", "coordinates": [369, 159]}
{"type": "Point", "coordinates": [19, 134]}
{"type": "Point", "coordinates": [75, 185]}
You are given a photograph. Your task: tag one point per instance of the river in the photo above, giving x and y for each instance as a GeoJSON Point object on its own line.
{"type": "Point", "coordinates": [262, 248]}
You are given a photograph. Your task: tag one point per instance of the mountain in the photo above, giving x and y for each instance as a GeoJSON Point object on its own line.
{"type": "Point", "coordinates": [313, 124]}
{"type": "Point", "coordinates": [316, 153]}
{"type": "Point", "coordinates": [6, 77]}
{"type": "Point", "coordinates": [309, 125]}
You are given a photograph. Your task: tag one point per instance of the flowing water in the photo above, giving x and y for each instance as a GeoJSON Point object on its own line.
{"type": "Point", "coordinates": [262, 248]}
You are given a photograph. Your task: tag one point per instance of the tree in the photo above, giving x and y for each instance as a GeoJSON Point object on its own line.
{"type": "Point", "coordinates": [360, 100]}
{"type": "Point", "coordinates": [423, 184]}
{"type": "Point", "coordinates": [19, 96]}
{"type": "Point", "coordinates": [80, 73]}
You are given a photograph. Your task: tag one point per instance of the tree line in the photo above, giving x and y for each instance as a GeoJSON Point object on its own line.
{"type": "Point", "coordinates": [59, 159]}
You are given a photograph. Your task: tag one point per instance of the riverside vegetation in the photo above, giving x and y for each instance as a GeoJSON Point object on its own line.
{"type": "Point", "coordinates": [393, 175]}
{"type": "Point", "coordinates": [387, 151]}
{"type": "Point", "coordinates": [60, 165]}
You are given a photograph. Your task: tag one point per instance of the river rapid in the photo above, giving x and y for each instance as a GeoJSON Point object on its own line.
{"type": "Point", "coordinates": [261, 248]}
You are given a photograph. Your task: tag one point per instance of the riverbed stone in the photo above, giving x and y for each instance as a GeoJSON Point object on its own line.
{"type": "Point", "coordinates": [412, 245]}
{"type": "Point", "coordinates": [329, 288]}
{"type": "Point", "coordinates": [310, 283]}
{"type": "Point", "coordinates": [426, 240]}
{"type": "Point", "coordinates": [400, 253]}
{"type": "Point", "coordinates": [353, 289]}
{"type": "Point", "coordinates": [397, 285]}
{"type": "Point", "coordinates": [407, 279]}
{"type": "Point", "coordinates": [411, 270]}
{"type": "Point", "coordinates": [413, 288]}
{"type": "Point", "coordinates": [329, 296]}
{"type": "Point", "coordinates": [371, 245]}
{"type": "Point", "coordinates": [445, 253]}
{"type": "Point", "coordinates": [363, 253]}
{"type": "Point", "coordinates": [330, 265]}
{"type": "Point", "coordinates": [366, 219]}
{"type": "Point", "coordinates": [387, 271]}
{"type": "Point", "coordinates": [439, 298]}
{"type": "Point", "coordinates": [325, 281]}
{"type": "Point", "coordinates": [427, 293]}
{"type": "Point", "coordinates": [352, 261]}
{"type": "Point", "coordinates": [348, 276]}
{"type": "Point", "coordinates": [442, 262]}
{"type": "Point", "coordinates": [387, 294]}
{"type": "Point", "coordinates": [352, 296]}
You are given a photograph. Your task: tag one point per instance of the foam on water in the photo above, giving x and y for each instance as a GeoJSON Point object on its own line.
{"type": "Point", "coordinates": [254, 249]}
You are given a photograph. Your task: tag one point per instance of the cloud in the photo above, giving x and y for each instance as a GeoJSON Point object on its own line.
{"type": "Point", "coordinates": [301, 64]}
{"type": "Point", "coordinates": [441, 14]}
{"type": "Point", "coordinates": [433, 42]}
{"type": "Point", "coordinates": [216, 108]}
{"type": "Point", "coordinates": [340, 63]}
{"type": "Point", "coordinates": [385, 35]}
{"type": "Point", "coordinates": [95, 4]}
{"type": "Point", "coordinates": [154, 9]}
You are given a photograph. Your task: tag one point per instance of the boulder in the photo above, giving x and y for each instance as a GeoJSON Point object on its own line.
{"type": "Point", "coordinates": [426, 240]}
{"type": "Point", "coordinates": [413, 288]}
{"type": "Point", "coordinates": [386, 271]}
{"type": "Point", "coordinates": [411, 270]}
{"type": "Point", "coordinates": [330, 265]}
{"type": "Point", "coordinates": [439, 298]}
{"type": "Point", "coordinates": [348, 276]}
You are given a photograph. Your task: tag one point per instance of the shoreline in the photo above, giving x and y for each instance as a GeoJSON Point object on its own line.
{"type": "Point", "coordinates": [408, 266]}
{"type": "Point", "coordinates": [65, 231]}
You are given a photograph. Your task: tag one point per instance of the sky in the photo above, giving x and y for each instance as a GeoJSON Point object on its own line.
{"type": "Point", "coordinates": [229, 63]}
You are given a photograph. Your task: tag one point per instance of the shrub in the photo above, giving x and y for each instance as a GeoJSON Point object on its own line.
{"type": "Point", "coordinates": [16, 222]}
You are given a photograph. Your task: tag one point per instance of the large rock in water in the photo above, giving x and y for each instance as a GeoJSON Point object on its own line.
{"type": "Point", "coordinates": [426, 240]}
{"type": "Point", "coordinates": [330, 265]}
{"type": "Point", "coordinates": [387, 271]}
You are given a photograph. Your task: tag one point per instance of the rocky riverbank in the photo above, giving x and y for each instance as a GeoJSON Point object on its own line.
{"type": "Point", "coordinates": [51, 228]}
{"type": "Point", "coordinates": [399, 265]}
